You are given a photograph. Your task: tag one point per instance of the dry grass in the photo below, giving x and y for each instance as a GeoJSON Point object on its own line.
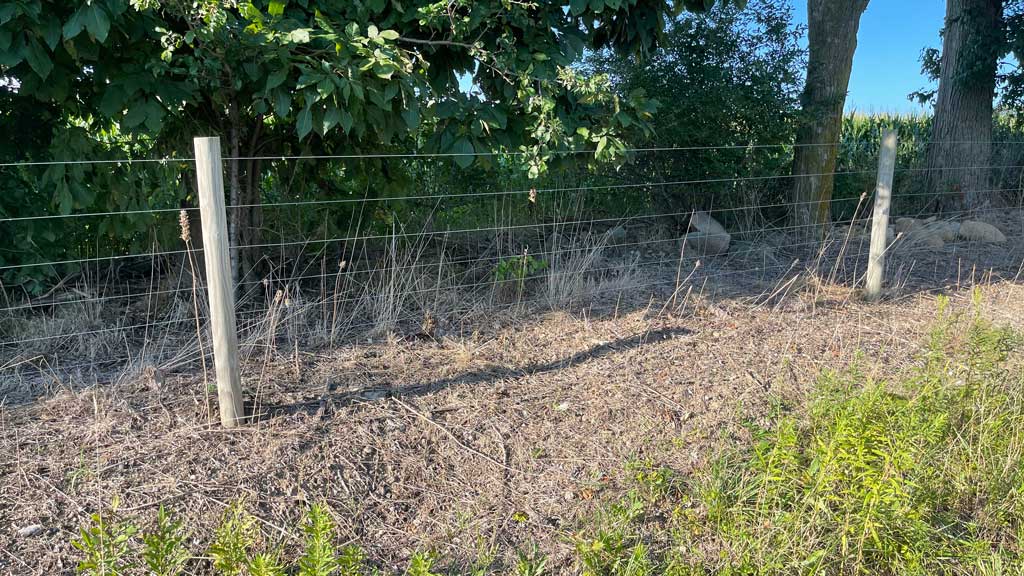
{"type": "Point", "coordinates": [497, 428]}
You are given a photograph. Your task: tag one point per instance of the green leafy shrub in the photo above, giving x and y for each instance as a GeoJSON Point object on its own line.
{"type": "Point", "coordinates": [104, 543]}
{"type": "Point", "coordinates": [164, 552]}
{"type": "Point", "coordinates": [319, 557]}
{"type": "Point", "coordinates": [517, 269]}
{"type": "Point", "coordinates": [233, 541]}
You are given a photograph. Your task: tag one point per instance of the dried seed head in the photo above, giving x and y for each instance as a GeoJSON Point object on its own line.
{"type": "Point", "coordinates": [342, 265]}
{"type": "Point", "coordinates": [266, 282]}
{"type": "Point", "coordinates": [533, 195]}
{"type": "Point", "coordinates": [278, 296]}
{"type": "Point", "coordinates": [186, 233]}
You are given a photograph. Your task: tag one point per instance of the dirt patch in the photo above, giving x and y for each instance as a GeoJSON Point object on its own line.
{"type": "Point", "coordinates": [499, 430]}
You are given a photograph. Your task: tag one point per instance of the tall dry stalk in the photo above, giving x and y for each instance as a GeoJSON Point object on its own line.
{"type": "Point", "coordinates": [186, 237]}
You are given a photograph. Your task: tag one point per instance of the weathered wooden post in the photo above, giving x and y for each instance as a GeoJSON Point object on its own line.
{"type": "Point", "coordinates": [210, 176]}
{"type": "Point", "coordinates": [880, 217]}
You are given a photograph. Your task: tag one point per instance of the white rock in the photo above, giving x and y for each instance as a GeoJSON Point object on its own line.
{"type": "Point", "coordinates": [975, 231]}
{"type": "Point", "coordinates": [616, 236]}
{"type": "Point", "coordinates": [906, 225]}
{"type": "Point", "coordinates": [30, 530]}
{"type": "Point", "coordinates": [924, 238]}
{"type": "Point", "coordinates": [707, 236]}
{"type": "Point", "coordinates": [945, 229]}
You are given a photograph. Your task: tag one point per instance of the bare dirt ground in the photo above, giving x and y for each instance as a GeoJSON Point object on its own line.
{"type": "Point", "coordinates": [486, 438]}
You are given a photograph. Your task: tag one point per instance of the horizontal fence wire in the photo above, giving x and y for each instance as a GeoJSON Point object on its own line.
{"type": "Point", "coordinates": [253, 340]}
{"type": "Point", "coordinates": [530, 191]}
{"type": "Point", "coordinates": [100, 214]}
{"type": "Point", "coordinates": [470, 260]}
{"type": "Point", "coordinates": [619, 267]}
{"type": "Point", "coordinates": [275, 301]}
{"type": "Point", "coordinates": [483, 153]}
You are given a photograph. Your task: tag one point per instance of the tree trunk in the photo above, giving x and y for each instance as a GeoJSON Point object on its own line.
{"type": "Point", "coordinates": [962, 129]}
{"type": "Point", "coordinates": [832, 40]}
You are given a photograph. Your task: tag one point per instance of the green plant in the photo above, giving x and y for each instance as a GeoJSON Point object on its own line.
{"type": "Point", "coordinates": [531, 563]}
{"type": "Point", "coordinates": [105, 545]}
{"type": "Point", "coordinates": [233, 539]}
{"type": "Point", "coordinates": [265, 564]}
{"type": "Point", "coordinates": [319, 557]}
{"type": "Point", "coordinates": [421, 564]}
{"type": "Point", "coordinates": [654, 482]}
{"type": "Point", "coordinates": [164, 552]}
{"type": "Point", "coordinates": [517, 269]}
{"type": "Point", "coordinates": [350, 562]}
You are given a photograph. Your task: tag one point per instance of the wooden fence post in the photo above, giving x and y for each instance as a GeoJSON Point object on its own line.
{"type": "Point", "coordinates": [880, 217]}
{"type": "Point", "coordinates": [210, 175]}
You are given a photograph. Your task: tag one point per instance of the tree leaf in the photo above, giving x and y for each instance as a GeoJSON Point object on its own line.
{"type": "Point", "coordinates": [282, 103]}
{"type": "Point", "coordinates": [346, 121]}
{"type": "Point", "coordinates": [112, 101]}
{"type": "Point", "coordinates": [74, 26]}
{"type": "Point", "coordinates": [277, 7]}
{"type": "Point", "coordinates": [304, 123]}
{"type": "Point", "coordinates": [331, 119]}
{"type": "Point", "coordinates": [276, 78]}
{"type": "Point", "coordinates": [136, 114]}
{"type": "Point", "coordinates": [7, 12]}
{"type": "Point", "coordinates": [464, 148]}
{"type": "Point", "coordinates": [38, 59]}
{"type": "Point", "coordinates": [15, 53]}
{"type": "Point", "coordinates": [577, 7]}
{"type": "Point", "coordinates": [97, 22]}
{"type": "Point", "coordinates": [51, 32]}
{"type": "Point", "coordinates": [411, 116]}
{"type": "Point", "coordinates": [65, 202]}
{"type": "Point", "coordinates": [154, 115]}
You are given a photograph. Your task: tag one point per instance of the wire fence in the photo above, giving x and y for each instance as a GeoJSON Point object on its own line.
{"type": "Point", "coordinates": [448, 250]}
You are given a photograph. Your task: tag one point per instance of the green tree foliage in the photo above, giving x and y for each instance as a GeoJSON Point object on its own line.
{"type": "Point", "coordinates": [730, 77]}
{"type": "Point", "coordinates": [277, 76]}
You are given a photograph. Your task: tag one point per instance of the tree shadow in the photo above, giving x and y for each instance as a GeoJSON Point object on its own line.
{"type": "Point", "coordinates": [482, 376]}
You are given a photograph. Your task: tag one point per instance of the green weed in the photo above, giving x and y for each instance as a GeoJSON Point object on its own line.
{"type": "Point", "coordinates": [104, 544]}
{"type": "Point", "coordinates": [233, 541]}
{"type": "Point", "coordinates": [531, 563]}
{"type": "Point", "coordinates": [164, 552]}
{"type": "Point", "coordinates": [517, 269]}
{"type": "Point", "coordinates": [319, 557]}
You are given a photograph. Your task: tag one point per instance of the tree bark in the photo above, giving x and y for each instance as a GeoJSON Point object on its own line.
{"type": "Point", "coordinates": [961, 145]}
{"type": "Point", "coordinates": [832, 41]}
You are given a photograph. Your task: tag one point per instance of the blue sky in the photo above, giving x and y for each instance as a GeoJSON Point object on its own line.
{"type": "Point", "coordinates": [887, 67]}
{"type": "Point", "coordinates": [887, 64]}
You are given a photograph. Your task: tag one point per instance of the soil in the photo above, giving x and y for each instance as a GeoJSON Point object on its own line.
{"type": "Point", "coordinates": [488, 433]}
